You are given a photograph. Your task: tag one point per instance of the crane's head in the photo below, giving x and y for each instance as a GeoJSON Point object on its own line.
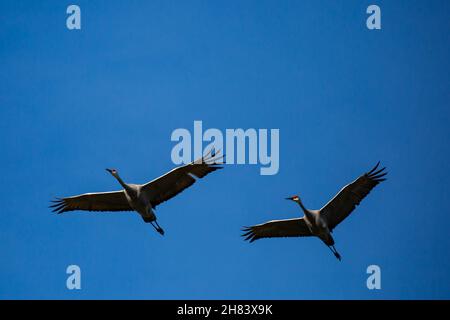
{"type": "Point", "coordinates": [113, 172]}
{"type": "Point", "coordinates": [294, 198]}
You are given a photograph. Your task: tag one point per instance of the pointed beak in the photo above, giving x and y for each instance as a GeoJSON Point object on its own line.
{"type": "Point", "coordinates": [288, 198]}
{"type": "Point", "coordinates": [109, 170]}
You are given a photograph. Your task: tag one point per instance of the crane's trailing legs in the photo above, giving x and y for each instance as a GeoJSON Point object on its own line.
{"type": "Point", "coordinates": [336, 254]}
{"type": "Point", "coordinates": [160, 230]}
{"type": "Point", "coordinates": [157, 227]}
{"type": "Point", "coordinates": [152, 220]}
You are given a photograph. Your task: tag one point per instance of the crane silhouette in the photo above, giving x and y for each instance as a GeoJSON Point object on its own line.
{"type": "Point", "coordinates": [320, 223]}
{"type": "Point", "coordinates": [142, 198]}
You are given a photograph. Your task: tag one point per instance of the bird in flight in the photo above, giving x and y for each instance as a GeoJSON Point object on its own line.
{"type": "Point", "coordinates": [142, 198]}
{"type": "Point", "coordinates": [320, 223]}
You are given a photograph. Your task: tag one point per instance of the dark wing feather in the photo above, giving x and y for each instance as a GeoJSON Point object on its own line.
{"type": "Point", "coordinates": [277, 228]}
{"type": "Point", "coordinates": [340, 207]}
{"type": "Point", "coordinates": [102, 201]}
{"type": "Point", "coordinates": [179, 179]}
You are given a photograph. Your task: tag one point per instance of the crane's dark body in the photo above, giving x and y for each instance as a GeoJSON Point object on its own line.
{"type": "Point", "coordinates": [139, 202]}
{"type": "Point", "coordinates": [318, 227]}
{"type": "Point", "coordinates": [142, 198]}
{"type": "Point", "coordinates": [320, 223]}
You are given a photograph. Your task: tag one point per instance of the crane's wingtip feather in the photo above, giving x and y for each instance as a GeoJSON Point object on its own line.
{"type": "Point", "coordinates": [377, 172]}
{"type": "Point", "coordinates": [57, 203]}
{"type": "Point", "coordinates": [248, 233]}
{"type": "Point", "coordinates": [382, 174]}
{"type": "Point", "coordinates": [249, 237]}
{"type": "Point", "coordinates": [374, 168]}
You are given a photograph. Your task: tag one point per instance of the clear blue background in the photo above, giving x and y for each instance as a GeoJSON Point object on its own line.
{"type": "Point", "coordinates": [75, 102]}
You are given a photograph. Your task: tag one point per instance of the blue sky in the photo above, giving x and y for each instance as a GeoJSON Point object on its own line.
{"type": "Point", "coordinates": [110, 95]}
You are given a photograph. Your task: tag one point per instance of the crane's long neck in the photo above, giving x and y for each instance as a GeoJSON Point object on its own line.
{"type": "Point", "coordinates": [305, 211]}
{"type": "Point", "coordinates": [124, 185]}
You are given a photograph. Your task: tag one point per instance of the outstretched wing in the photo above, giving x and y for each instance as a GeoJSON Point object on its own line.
{"type": "Point", "coordinates": [101, 201]}
{"type": "Point", "coordinates": [340, 207]}
{"type": "Point", "coordinates": [277, 228]}
{"type": "Point", "coordinates": [179, 179]}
